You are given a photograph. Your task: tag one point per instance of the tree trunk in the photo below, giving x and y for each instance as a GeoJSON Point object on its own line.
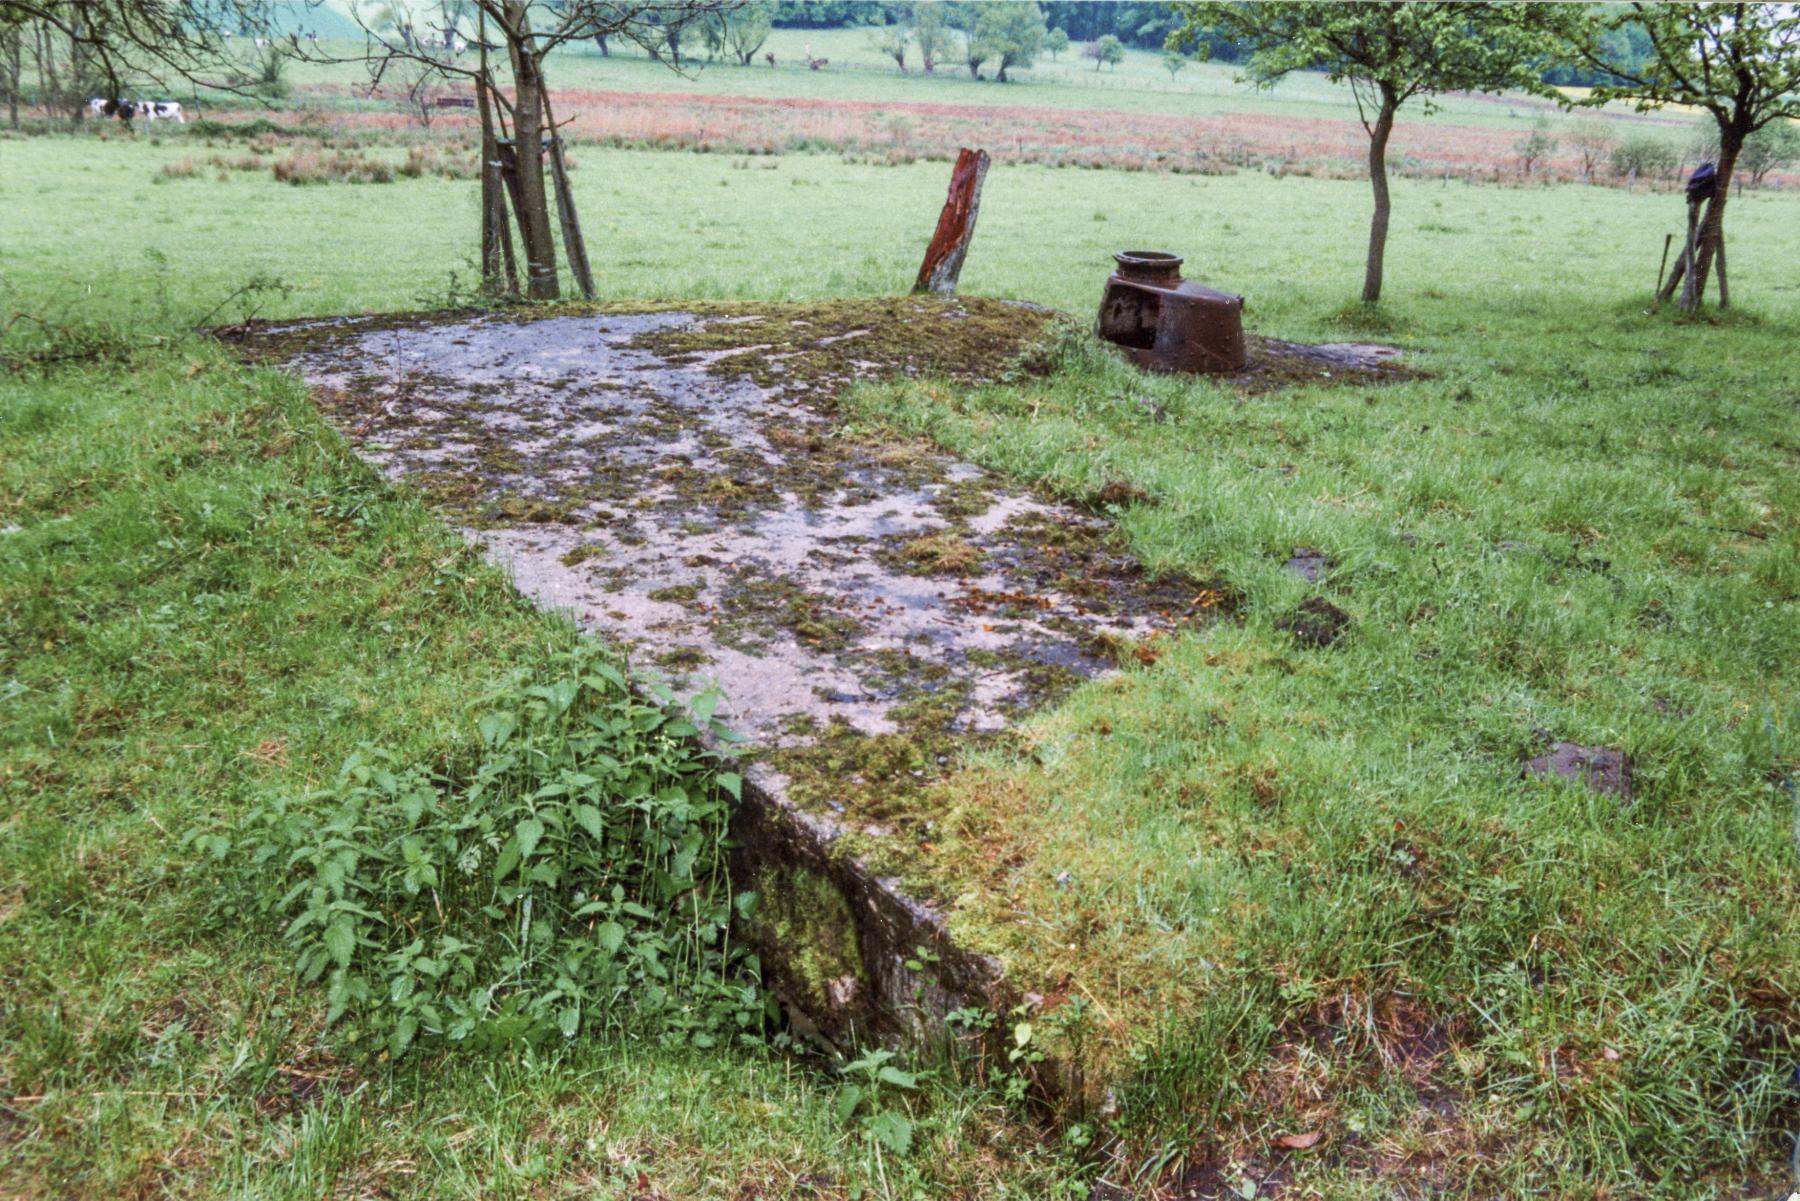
{"type": "Point", "coordinates": [499, 273]}
{"type": "Point", "coordinates": [49, 90]}
{"type": "Point", "coordinates": [528, 147]}
{"type": "Point", "coordinates": [1378, 180]}
{"type": "Point", "coordinates": [14, 70]}
{"type": "Point", "coordinates": [1712, 226]}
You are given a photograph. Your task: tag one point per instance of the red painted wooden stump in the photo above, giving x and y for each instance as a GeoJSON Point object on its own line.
{"type": "Point", "coordinates": [956, 225]}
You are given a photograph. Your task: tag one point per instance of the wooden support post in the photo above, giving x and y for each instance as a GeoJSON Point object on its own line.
{"type": "Point", "coordinates": [499, 269]}
{"type": "Point", "coordinates": [1687, 256]}
{"type": "Point", "coordinates": [506, 153]}
{"type": "Point", "coordinates": [1664, 265]}
{"type": "Point", "coordinates": [1690, 300]}
{"type": "Point", "coordinates": [1724, 288]}
{"type": "Point", "coordinates": [956, 225]}
{"type": "Point", "coordinates": [574, 245]}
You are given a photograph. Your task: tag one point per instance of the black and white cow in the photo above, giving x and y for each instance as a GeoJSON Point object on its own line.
{"type": "Point", "coordinates": [127, 110]}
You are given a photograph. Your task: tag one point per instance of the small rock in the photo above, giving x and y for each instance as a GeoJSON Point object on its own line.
{"type": "Point", "coordinates": [1118, 493]}
{"type": "Point", "coordinates": [1317, 622]}
{"type": "Point", "coordinates": [1309, 564]}
{"type": "Point", "coordinates": [1603, 769]}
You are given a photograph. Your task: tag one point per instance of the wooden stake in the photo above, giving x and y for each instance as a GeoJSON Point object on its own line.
{"type": "Point", "coordinates": [574, 246]}
{"type": "Point", "coordinates": [1668, 239]}
{"type": "Point", "coordinates": [956, 225]}
{"type": "Point", "coordinates": [1724, 288]}
{"type": "Point", "coordinates": [499, 269]}
{"type": "Point", "coordinates": [1687, 257]}
{"type": "Point", "coordinates": [1690, 301]}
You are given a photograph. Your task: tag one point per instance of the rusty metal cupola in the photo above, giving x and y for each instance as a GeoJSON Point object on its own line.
{"type": "Point", "coordinates": [1166, 323]}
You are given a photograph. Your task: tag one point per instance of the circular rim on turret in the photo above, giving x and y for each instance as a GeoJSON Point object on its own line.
{"type": "Point", "coordinates": [1149, 260]}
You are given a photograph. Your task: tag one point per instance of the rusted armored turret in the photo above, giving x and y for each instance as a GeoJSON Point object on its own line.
{"type": "Point", "coordinates": [1166, 323]}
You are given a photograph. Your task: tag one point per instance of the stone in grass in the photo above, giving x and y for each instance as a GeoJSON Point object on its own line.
{"type": "Point", "coordinates": [1308, 564]}
{"type": "Point", "coordinates": [1317, 622]}
{"type": "Point", "coordinates": [1601, 768]}
{"type": "Point", "coordinates": [1118, 494]}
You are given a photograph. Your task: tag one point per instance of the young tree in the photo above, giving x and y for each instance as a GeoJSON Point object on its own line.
{"type": "Point", "coordinates": [891, 41]}
{"type": "Point", "coordinates": [1056, 41]}
{"type": "Point", "coordinates": [1388, 53]}
{"type": "Point", "coordinates": [1108, 50]}
{"type": "Point", "coordinates": [746, 28]}
{"type": "Point", "coordinates": [1535, 147]}
{"type": "Point", "coordinates": [964, 17]}
{"type": "Point", "coordinates": [1012, 33]}
{"type": "Point", "coordinates": [519, 129]}
{"type": "Point", "coordinates": [1770, 148]}
{"type": "Point", "coordinates": [1739, 62]}
{"type": "Point", "coordinates": [928, 31]}
{"type": "Point", "coordinates": [1593, 142]}
{"type": "Point", "coordinates": [1174, 62]}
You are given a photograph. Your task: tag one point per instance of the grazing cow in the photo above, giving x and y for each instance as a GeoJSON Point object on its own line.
{"type": "Point", "coordinates": [96, 107]}
{"type": "Point", "coordinates": [124, 110]}
{"type": "Point", "coordinates": [168, 110]}
{"type": "Point", "coordinates": [459, 46]}
{"type": "Point", "coordinates": [261, 43]}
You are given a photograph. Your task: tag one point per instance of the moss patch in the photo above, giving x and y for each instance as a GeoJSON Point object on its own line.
{"type": "Point", "coordinates": [799, 344]}
{"type": "Point", "coordinates": [805, 918]}
{"type": "Point", "coordinates": [944, 553]}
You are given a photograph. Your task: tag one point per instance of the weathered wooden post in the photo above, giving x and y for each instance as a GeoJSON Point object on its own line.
{"type": "Point", "coordinates": [574, 245]}
{"type": "Point", "coordinates": [956, 225]}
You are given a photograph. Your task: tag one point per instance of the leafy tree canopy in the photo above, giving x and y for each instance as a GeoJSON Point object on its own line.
{"type": "Point", "coordinates": [1012, 34]}
{"type": "Point", "coordinates": [1739, 62]}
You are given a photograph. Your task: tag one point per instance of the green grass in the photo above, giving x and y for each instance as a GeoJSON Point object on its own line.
{"type": "Point", "coordinates": [807, 227]}
{"type": "Point", "coordinates": [1305, 889]}
{"type": "Point", "coordinates": [1590, 540]}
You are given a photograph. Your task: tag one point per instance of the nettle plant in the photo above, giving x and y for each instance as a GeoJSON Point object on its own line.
{"type": "Point", "coordinates": [569, 877]}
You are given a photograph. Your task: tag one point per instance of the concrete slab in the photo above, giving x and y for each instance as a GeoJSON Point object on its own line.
{"type": "Point", "coordinates": [678, 483]}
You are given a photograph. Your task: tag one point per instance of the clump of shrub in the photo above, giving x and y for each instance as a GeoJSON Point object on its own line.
{"type": "Point", "coordinates": [206, 127]}
{"type": "Point", "coordinates": [567, 876]}
{"type": "Point", "coordinates": [189, 167]}
{"type": "Point", "coordinates": [1643, 156]}
{"type": "Point", "coordinates": [310, 168]}
{"type": "Point", "coordinates": [430, 160]}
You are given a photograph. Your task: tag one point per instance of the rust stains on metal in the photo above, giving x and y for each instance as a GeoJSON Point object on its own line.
{"type": "Point", "coordinates": [956, 225]}
{"type": "Point", "coordinates": [1166, 323]}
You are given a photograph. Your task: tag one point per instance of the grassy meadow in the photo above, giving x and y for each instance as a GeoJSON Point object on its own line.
{"type": "Point", "coordinates": [809, 226]}
{"type": "Point", "coordinates": [1299, 892]}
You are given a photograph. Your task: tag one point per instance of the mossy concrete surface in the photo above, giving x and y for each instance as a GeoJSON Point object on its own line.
{"type": "Point", "coordinates": [869, 607]}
